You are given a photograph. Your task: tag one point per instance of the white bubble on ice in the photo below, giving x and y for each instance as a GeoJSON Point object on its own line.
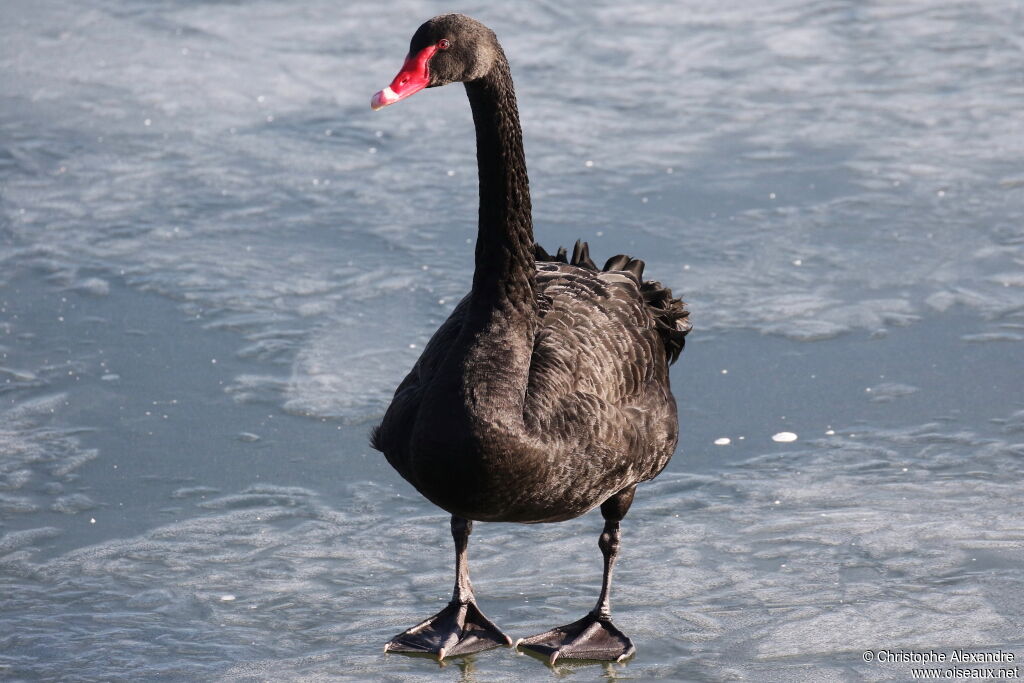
{"type": "Point", "coordinates": [723, 441]}
{"type": "Point", "coordinates": [784, 437]}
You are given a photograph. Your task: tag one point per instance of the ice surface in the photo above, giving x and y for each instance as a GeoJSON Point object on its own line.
{"type": "Point", "coordinates": [882, 183]}
{"type": "Point", "coordinates": [769, 565]}
{"type": "Point", "coordinates": [216, 263]}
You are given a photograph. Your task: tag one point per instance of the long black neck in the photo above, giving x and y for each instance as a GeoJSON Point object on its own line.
{"type": "Point", "coordinates": [504, 275]}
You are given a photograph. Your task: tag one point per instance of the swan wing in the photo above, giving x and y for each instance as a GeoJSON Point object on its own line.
{"type": "Point", "coordinates": [599, 383]}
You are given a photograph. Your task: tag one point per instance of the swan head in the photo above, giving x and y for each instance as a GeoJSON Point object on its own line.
{"type": "Point", "coordinates": [445, 49]}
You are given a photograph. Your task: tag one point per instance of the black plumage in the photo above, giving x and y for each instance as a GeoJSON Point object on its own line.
{"type": "Point", "coordinates": [546, 392]}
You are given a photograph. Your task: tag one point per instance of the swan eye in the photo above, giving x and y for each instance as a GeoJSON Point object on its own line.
{"type": "Point", "coordinates": [443, 44]}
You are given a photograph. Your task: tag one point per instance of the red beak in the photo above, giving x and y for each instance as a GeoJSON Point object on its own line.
{"type": "Point", "coordinates": [414, 76]}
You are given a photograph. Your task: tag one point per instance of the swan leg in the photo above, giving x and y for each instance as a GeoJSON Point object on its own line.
{"type": "Point", "coordinates": [460, 628]}
{"type": "Point", "coordinates": [594, 636]}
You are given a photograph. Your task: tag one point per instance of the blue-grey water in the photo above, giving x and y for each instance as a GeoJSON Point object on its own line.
{"type": "Point", "coordinates": [216, 263]}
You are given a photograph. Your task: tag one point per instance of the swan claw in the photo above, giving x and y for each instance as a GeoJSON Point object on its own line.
{"type": "Point", "coordinates": [589, 638]}
{"type": "Point", "coordinates": [458, 629]}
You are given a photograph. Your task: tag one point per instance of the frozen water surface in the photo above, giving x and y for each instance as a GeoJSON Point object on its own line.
{"type": "Point", "coordinates": [216, 263]}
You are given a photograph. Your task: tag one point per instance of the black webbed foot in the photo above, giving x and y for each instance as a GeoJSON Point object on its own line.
{"type": "Point", "coordinates": [591, 637]}
{"type": "Point", "coordinates": [458, 629]}
{"type": "Point", "coordinates": [594, 636]}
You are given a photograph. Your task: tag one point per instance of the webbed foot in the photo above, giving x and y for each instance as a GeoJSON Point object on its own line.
{"type": "Point", "coordinates": [458, 629]}
{"type": "Point", "coordinates": [591, 637]}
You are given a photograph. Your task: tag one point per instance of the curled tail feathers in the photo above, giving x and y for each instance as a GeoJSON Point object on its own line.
{"type": "Point", "coordinates": [669, 313]}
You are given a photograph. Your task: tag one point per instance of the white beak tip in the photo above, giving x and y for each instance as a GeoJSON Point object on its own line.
{"type": "Point", "coordinates": [383, 98]}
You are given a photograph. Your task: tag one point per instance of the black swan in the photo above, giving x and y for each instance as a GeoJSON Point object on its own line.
{"type": "Point", "coordinates": [546, 393]}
